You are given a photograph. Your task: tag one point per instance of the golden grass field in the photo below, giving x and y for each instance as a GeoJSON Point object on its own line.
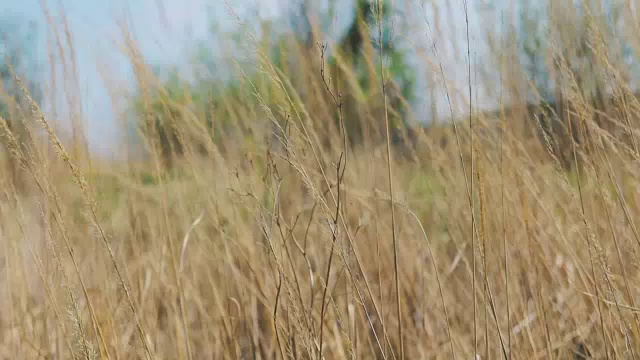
{"type": "Point", "coordinates": [278, 237]}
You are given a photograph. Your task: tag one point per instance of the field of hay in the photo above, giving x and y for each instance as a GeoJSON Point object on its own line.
{"type": "Point", "coordinates": [301, 215]}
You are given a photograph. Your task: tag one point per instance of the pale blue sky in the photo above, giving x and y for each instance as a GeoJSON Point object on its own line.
{"type": "Point", "coordinates": [166, 31]}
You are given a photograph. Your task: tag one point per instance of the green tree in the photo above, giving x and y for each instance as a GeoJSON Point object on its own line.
{"type": "Point", "coordinates": [358, 49]}
{"type": "Point", "coordinates": [213, 99]}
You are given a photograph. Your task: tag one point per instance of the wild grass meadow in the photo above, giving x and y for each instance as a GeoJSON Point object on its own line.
{"type": "Point", "coordinates": [305, 207]}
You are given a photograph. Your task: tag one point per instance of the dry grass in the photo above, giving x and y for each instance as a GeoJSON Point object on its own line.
{"type": "Point", "coordinates": [271, 235]}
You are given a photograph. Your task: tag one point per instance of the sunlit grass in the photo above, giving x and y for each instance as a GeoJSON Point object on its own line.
{"type": "Point", "coordinates": [257, 226]}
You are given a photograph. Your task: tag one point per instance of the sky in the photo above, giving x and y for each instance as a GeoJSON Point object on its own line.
{"type": "Point", "coordinates": [166, 31]}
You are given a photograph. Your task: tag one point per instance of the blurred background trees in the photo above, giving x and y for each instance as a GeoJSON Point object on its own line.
{"type": "Point", "coordinates": [18, 47]}
{"type": "Point", "coordinates": [546, 40]}
{"type": "Point", "coordinates": [352, 70]}
{"type": "Point", "coordinates": [559, 49]}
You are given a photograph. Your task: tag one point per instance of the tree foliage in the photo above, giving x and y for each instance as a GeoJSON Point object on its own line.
{"type": "Point", "coordinates": [355, 57]}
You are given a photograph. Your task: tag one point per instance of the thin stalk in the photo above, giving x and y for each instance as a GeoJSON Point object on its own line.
{"type": "Point", "coordinates": [390, 178]}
